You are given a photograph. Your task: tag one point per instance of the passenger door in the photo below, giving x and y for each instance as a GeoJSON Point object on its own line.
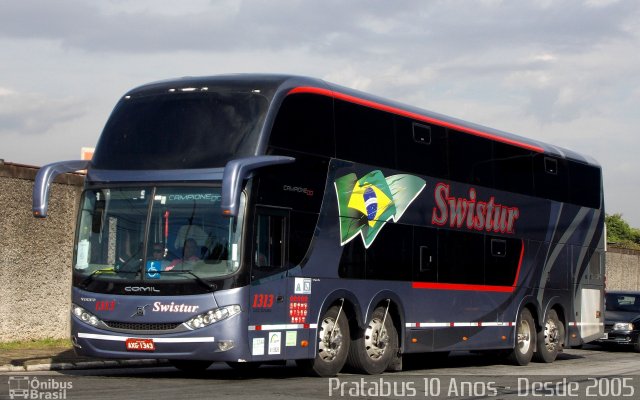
{"type": "Point", "coordinates": [268, 292]}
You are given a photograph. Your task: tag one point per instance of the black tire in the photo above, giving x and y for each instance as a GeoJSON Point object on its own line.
{"type": "Point", "coordinates": [375, 347]}
{"type": "Point", "coordinates": [332, 347]}
{"type": "Point", "coordinates": [550, 339]}
{"type": "Point", "coordinates": [636, 345]}
{"type": "Point", "coordinates": [525, 339]}
{"type": "Point", "coordinates": [191, 365]}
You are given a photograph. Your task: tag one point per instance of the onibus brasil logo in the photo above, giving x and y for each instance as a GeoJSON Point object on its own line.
{"type": "Point", "coordinates": [366, 204]}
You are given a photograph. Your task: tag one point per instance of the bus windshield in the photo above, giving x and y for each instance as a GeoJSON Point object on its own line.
{"type": "Point", "coordinates": [162, 233]}
{"type": "Point", "coordinates": [181, 130]}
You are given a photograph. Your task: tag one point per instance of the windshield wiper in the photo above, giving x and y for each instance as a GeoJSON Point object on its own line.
{"type": "Point", "coordinates": [89, 278]}
{"type": "Point", "coordinates": [209, 285]}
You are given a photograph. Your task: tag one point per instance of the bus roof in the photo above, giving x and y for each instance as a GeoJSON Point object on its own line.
{"type": "Point", "coordinates": [275, 87]}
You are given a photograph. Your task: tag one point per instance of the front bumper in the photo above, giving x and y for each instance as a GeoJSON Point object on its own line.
{"type": "Point", "coordinates": [619, 337]}
{"type": "Point", "coordinates": [209, 343]}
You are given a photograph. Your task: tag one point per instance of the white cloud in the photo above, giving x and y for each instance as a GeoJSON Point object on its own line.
{"type": "Point", "coordinates": [600, 3]}
{"type": "Point", "coordinates": [30, 113]}
{"type": "Point", "coordinates": [6, 92]}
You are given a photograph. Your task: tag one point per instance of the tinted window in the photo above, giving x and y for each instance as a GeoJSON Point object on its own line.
{"type": "Point", "coordinates": [305, 123]}
{"type": "Point", "coordinates": [352, 261]}
{"type": "Point", "coordinates": [460, 257]}
{"type": "Point", "coordinates": [585, 185]}
{"type": "Point", "coordinates": [271, 242]}
{"type": "Point", "coordinates": [627, 302]}
{"type": "Point", "coordinates": [302, 226]}
{"type": "Point", "coordinates": [389, 256]}
{"type": "Point", "coordinates": [470, 159]}
{"type": "Point", "coordinates": [364, 135]}
{"type": "Point", "coordinates": [550, 177]}
{"type": "Point", "coordinates": [299, 185]}
{"type": "Point", "coordinates": [513, 168]}
{"type": "Point", "coordinates": [419, 156]}
{"type": "Point", "coordinates": [502, 258]}
{"type": "Point", "coordinates": [181, 130]}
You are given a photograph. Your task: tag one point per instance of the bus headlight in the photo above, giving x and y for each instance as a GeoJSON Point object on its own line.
{"type": "Point", "coordinates": [84, 315]}
{"type": "Point", "coordinates": [623, 326]}
{"type": "Point", "coordinates": [213, 316]}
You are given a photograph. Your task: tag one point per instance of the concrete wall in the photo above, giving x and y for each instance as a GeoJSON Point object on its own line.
{"type": "Point", "coordinates": [35, 257]}
{"type": "Point", "coordinates": [623, 269]}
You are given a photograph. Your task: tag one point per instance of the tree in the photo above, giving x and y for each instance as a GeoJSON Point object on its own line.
{"type": "Point", "coordinates": [621, 233]}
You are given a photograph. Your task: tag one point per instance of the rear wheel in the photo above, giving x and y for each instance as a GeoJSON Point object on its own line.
{"type": "Point", "coordinates": [374, 348]}
{"type": "Point", "coordinates": [525, 339]}
{"type": "Point", "coordinates": [550, 338]}
{"type": "Point", "coordinates": [191, 365]}
{"type": "Point", "coordinates": [333, 344]}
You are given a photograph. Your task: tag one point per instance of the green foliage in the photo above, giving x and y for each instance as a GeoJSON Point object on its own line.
{"type": "Point", "coordinates": [620, 233]}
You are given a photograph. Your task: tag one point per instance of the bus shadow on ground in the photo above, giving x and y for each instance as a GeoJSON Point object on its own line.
{"type": "Point", "coordinates": [427, 362]}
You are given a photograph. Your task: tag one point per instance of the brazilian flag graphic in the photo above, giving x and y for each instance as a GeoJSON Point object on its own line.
{"type": "Point", "coordinates": [366, 204]}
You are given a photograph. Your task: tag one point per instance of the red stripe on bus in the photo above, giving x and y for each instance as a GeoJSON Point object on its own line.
{"type": "Point", "coordinates": [515, 281]}
{"type": "Point", "coordinates": [409, 114]}
{"type": "Point", "coordinates": [461, 286]}
{"type": "Point", "coordinates": [480, 288]}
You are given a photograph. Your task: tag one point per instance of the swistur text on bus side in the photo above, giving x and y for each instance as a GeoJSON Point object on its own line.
{"type": "Point", "coordinates": [472, 214]}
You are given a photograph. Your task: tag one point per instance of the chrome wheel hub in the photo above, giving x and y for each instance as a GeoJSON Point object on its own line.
{"type": "Point", "coordinates": [551, 335]}
{"type": "Point", "coordinates": [376, 339]}
{"type": "Point", "coordinates": [330, 339]}
{"type": "Point", "coordinates": [524, 337]}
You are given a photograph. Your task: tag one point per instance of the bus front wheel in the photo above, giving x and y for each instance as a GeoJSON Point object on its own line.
{"type": "Point", "coordinates": [333, 344]}
{"type": "Point", "coordinates": [525, 339]}
{"type": "Point", "coordinates": [374, 348]}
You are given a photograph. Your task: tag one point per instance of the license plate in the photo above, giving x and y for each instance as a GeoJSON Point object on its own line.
{"type": "Point", "coordinates": [140, 345]}
{"type": "Point", "coordinates": [605, 336]}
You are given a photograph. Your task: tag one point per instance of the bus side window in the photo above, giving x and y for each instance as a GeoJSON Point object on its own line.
{"type": "Point", "coordinates": [270, 250]}
{"type": "Point", "coordinates": [502, 259]}
{"type": "Point", "coordinates": [551, 178]}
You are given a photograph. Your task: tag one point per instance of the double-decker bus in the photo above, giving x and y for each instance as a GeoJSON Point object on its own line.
{"type": "Point", "coordinates": [252, 219]}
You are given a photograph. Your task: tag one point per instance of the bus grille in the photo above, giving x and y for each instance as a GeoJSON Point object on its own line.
{"type": "Point", "coordinates": [134, 326]}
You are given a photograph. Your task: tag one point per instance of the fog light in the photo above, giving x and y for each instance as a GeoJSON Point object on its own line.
{"type": "Point", "coordinates": [226, 345]}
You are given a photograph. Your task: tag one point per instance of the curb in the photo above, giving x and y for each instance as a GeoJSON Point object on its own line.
{"type": "Point", "coordinates": [83, 365]}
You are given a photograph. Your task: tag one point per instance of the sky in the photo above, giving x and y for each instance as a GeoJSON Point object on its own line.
{"type": "Point", "coordinates": [563, 72]}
